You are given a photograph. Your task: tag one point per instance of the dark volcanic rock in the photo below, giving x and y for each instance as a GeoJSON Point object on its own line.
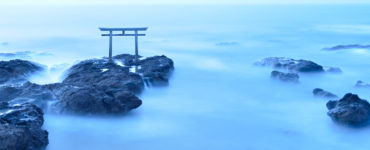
{"type": "Point", "coordinates": [20, 127]}
{"type": "Point", "coordinates": [98, 86]}
{"type": "Point", "coordinates": [322, 93]}
{"type": "Point", "coordinates": [286, 77]}
{"type": "Point", "coordinates": [156, 69]}
{"type": "Point", "coordinates": [291, 64]}
{"type": "Point", "coordinates": [103, 74]}
{"type": "Point", "coordinates": [16, 70]}
{"type": "Point", "coordinates": [93, 100]}
{"type": "Point", "coordinates": [26, 93]}
{"type": "Point", "coordinates": [352, 46]}
{"type": "Point", "coordinates": [349, 110]}
{"type": "Point", "coordinates": [361, 84]}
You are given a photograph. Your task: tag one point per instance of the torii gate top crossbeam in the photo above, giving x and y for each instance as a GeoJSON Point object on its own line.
{"type": "Point", "coordinates": [123, 29]}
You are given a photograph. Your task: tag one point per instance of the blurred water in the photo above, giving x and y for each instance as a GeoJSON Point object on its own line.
{"type": "Point", "coordinates": [216, 98]}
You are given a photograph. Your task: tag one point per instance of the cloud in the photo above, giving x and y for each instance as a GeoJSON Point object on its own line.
{"type": "Point", "coordinates": [227, 43]}
{"type": "Point", "coordinates": [180, 2]}
{"type": "Point", "coordinates": [344, 29]}
{"type": "Point", "coordinates": [4, 43]}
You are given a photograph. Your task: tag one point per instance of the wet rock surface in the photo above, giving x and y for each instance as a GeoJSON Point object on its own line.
{"type": "Point", "coordinates": [318, 92]}
{"type": "Point", "coordinates": [349, 110]}
{"type": "Point", "coordinates": [155, 70]}
{"type": "Point", "coordinates": [20, 127]}
{"type": "Point", "coordinates": [303, 66]}
{"type": "Point", "coordinates": [96, 86]}
{"type": "Point", "coordinates": [286, 77]}
{"type": "Point", "coordinates": [27, 93]}
{"type": "Point", "coordinates": [17, 70]}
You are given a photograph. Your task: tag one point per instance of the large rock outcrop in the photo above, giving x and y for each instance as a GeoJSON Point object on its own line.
{"type": "Point", "coordinates": [20, 127]}
{"type": "Point", "coordinates": [17, 70]}
{"type": "Point", "coordinates": [349, 110]}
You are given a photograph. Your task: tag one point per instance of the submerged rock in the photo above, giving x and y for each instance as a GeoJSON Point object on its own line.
{"type": "Point", "coordinates": [20, 127]}
{"type": "Point", "coordinates": [291, 64]}
{"type": "Point", "coordinates": [17, 70]}
{"type": "Point", "coordinates": [333, 70]}
{"type": "Point", "coordinates": [286, 77]}
{"type": "Point", "coordinates": [322, 93]}
{"type": "Point", "coordinates": [361, 84]}
{"type": "Point", "coordinates": [349, 110]}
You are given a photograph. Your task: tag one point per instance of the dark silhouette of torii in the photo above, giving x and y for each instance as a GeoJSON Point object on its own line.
{"type": "Point", "coordinates": [123, 33]}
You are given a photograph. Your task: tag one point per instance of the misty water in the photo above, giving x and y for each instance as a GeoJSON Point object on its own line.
{"type": "Point", "coordinates": [217, 99]}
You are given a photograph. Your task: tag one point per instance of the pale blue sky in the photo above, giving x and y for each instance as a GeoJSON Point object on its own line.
{"type": "Point", "coordinates": [122, 2]}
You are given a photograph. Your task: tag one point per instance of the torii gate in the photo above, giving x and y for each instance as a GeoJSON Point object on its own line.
{"type": "Point", "coordinates": [123, 30]}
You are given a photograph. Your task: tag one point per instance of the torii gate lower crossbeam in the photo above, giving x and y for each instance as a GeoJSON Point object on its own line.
{"type": "Point", "coordinates": [123, 30]}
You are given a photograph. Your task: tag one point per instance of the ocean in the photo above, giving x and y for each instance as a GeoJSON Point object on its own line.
{"type": "Point", "coordinates": [217, 98]}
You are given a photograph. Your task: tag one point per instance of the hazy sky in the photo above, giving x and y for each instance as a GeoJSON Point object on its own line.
{"type": "Point", "coordinates": [110, 2]}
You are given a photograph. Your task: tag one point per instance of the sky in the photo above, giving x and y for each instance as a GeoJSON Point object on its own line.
{"type": "Point", "coordinates": [149, 2]}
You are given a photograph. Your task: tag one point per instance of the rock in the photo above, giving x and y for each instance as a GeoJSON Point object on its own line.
{"type": "Point", "coordinates": [20, 127]}
{"type": "Point", "coordinates": [156, 69]}
{"type": "Point", "coordinates": [333, 70]}
{"type": "Point", "coordinates": [126, 59]}
{"type": "Point", "coordinates": [361, 84]}
{"type": "Point", "coordinates": [286, 77]}
{"type": "Point", "coordinates": [17, 70]}
{"type": "Point", "coordinates": [98, 86]}
{"type": "Point", "coordinates": [351, 46]}
{"type": "Point", "coordinates": [349, 110]}
{"type": "Point", "coordinates": [291, 64]}
{"type": "Point", "coordinates": [27, 93]}
{"type": "Point", "coordinates": [322, 93]}
{"type": "Point", "coordinates": [92, 100]}
{"type": "Point", "coordinates": [105, 75]}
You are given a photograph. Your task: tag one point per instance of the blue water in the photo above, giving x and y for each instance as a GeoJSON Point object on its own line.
{"type": "Point", "coordinates": [217, 98]}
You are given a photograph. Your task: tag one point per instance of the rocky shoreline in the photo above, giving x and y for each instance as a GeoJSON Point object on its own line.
{"type": "Point", "coordinates": [95, 87]}
{"type": "Point", "coordinates": [349, 110]}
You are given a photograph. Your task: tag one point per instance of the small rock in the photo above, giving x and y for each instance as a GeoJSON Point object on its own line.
{"type": "Point", "coordinates": [322, 93]}
{"type": "Point", "coordinates": [361, 84]}
{"type": "Point", "coordinates": [349, 110]}
{"type": "Point", "coordinates": [286, 77]}
{"type": "Point", "coordinates": [333, 70]}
